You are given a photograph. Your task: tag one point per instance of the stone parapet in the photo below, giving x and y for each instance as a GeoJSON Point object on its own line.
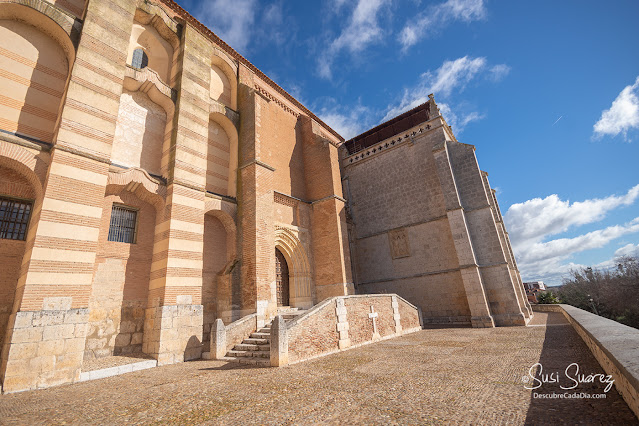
{"type": "Point", "coordinates": [614, 345]}
{"type": "Point", "coordinates": [345, 322]}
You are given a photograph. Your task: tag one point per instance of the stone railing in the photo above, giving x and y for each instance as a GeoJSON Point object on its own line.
{"type": "Point", "coordinates": [614, 345]}
{"type": "Point", "coordinates": [225, 337]}
{"type": "Point", "coordinates": [341, 323]}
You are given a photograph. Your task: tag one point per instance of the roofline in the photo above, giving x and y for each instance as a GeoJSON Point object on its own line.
{"type": "Point", "coordinates": [228, 49]}
{"type": "Point", "coordinates": [389, 122]}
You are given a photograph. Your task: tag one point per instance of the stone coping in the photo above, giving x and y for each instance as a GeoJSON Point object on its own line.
{"type": "Point", "coordinates": [117, 370]}
{"type": "Point", "coordinates": [614, 345]}
{"type": "Point", "coordinates": [113, 361]}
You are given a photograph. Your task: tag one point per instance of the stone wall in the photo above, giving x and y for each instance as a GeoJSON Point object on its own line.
{"type": "Point", "coordinates": [345, 322]}
{"type": "Point", "coordinates": [422, 224]}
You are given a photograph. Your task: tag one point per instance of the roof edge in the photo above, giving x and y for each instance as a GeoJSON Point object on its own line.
{"type": "Point", "coordinates": [222, 44]}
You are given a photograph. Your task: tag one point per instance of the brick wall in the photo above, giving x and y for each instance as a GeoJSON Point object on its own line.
{"type": "Point", "coordinates": [214, 260]}
{"type": "Point", "coordinates": [120, 283]}
{"type": "Point", "coordinates": [342, 322]}
{"type": "Point", "coordinates": [12, 184]}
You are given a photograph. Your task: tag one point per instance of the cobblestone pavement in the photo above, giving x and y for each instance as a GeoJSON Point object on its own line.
{"type": "Point", "coordinates": [453, 375]}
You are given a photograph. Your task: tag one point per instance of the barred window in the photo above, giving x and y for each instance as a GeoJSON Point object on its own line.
{"type": "Point", "coordinates": [14, 218]}
{"type": "Point", "coordinates": [123, 226]}
{"type": "Point", "coordinates": [139, 60]}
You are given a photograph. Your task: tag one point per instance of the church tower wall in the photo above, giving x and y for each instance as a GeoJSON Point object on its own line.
{"type": "Point", "coordinates": [422, 224]}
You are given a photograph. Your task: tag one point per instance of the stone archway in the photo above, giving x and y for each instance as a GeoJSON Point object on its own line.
{"type": "Point", "coordinates": [299, 272]}
{"type": "Point", "coordinates": [281, 279]}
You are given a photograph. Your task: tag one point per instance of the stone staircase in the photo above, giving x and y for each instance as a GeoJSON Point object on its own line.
{"type": "Point", "coordinates": [256, 349]}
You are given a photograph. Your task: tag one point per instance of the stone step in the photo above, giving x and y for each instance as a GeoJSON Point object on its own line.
{"type": "Point", "coordinates": [246, 347]}
{"type": "Point", "coordinates": [251, 341]}
{"type": "Point", "coordinates": [255, 354]}
{"type": "Point", "coordinates": [266, 330]}
{"type": "Point", "coordinates": [251, 361]}
{"type": "Point", "coordinates": [260, 335]}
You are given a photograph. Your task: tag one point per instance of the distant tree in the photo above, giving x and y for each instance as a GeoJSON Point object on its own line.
{"type": "Point", "coordinates": [610, 293]}
{"type": "Point", "coordinates": [547, 298]}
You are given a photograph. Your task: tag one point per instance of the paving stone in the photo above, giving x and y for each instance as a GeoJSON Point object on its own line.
{"type": "Point", "coordinates": [435, 376]}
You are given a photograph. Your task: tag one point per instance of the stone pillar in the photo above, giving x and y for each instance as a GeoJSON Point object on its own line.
{"type": "Point", "coordinates": [174, 315]}
{"type": "Point", "coordinates": [46, 333]}
{"type": "Point", "coordinates": [471, 277]}
{"type": "Point", "coordinates": [396, 315]}
{"type": "Point", "coordinates": [342, 323]}
{"type": "Point", "coordinates": [279, 342]}
{"type": "Point", "coordinates": [218, 339]}
{"type": "Point", "coordinates": [329, 232]}
{"type": "Point", "coordinates": [256, 224]}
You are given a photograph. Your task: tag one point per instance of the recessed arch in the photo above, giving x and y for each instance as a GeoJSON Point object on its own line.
{"type": "Point", "coordinates": [37, 57]}
{"type": "Point", "coordinates": [158, 50]}
{"type": "Point", "coordinates": [46, 18]}
{"type": "Point", "coordinates": [223, 82]}
{"type": "Point", "coordinates": [222, 156]}
{"type": "Point", "coordinates": [291, 247]}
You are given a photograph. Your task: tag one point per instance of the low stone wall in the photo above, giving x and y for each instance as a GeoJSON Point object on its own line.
{"type": "Point", "coordinates": [238, 330]}
{"type": "Point", "coordinates": [614, 345]}
{"type": "Point", "coordinates": [345, 322]}
{"type": "Point", "coordinates": [225, 337]}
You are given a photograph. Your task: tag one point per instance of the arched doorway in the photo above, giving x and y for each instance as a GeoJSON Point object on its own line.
{"type": "Point", "coordinates": [282, 279]}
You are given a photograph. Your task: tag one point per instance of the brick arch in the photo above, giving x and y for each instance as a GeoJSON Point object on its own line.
{"type": "Point", "coordinates": [299, 269]}
{"type": "Point", "coordinates": [60, 26]}
{"type": "Point", "coordinates": [140, 183]}
{"type": "Point", "coordinates": [24, 162]}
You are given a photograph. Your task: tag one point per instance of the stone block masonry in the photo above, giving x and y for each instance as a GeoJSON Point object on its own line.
{"type": "Point", "coordinates": [425, 224]}
{"type": "Point", "coordinates": [47, 349]}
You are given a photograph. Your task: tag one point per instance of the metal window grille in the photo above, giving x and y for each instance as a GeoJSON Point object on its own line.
{"type": "Point", "coordinates": [14, 218]}
{"type": "Point", "coordinates": [123, 226]}
{"type": "Point", "coordinates": [139, 60]}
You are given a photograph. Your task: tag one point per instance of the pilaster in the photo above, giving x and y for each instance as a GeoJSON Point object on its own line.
{"type": "Point", "coordinates": [46, 333]}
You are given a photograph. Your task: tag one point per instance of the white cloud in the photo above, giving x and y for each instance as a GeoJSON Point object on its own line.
{"type": "Point", "coordinates": [536, 219]}
{"type": "Point", "coordinates": [498, 72]}
{"type": "Point", "coordinates": [347, 123]}
{"type": "Point", "coordinates": [458, 122]}
{"type": "Point", "coordinates": [362, 30]}
{"type": "Point", "coordinates": [531, 223]}
{"type": "Point", "coordinates": [451, 76]}
{"type": "Point", "coordinates": [564, 247]}
{"type": "Point", "coordinates": [628, 250]}
{"type": "Point", "coordinates": [622, 116]}
{"type": "Point", "coordinates": [231, 20]}
{"type": "Point", "coordinates": [436, 17]}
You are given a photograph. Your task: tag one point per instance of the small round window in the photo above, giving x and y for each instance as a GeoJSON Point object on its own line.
{"type": "Point", "coordinates": [140, 60]}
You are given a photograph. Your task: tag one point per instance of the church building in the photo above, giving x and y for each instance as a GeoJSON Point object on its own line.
{"type": "Point", "coordinates": [153, 180]}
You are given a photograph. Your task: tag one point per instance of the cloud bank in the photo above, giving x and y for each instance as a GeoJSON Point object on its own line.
{"type": "Point", "coordinates": [622, 116]}
{"type": "Point", "coordinates": [530, 224]}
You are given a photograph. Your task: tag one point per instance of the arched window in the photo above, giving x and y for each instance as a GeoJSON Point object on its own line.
{"type": "Point", "coordinates": [139, 60]}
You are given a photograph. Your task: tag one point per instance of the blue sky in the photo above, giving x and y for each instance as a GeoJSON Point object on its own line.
{"type": "Point", "coordinates": [548, 91]}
